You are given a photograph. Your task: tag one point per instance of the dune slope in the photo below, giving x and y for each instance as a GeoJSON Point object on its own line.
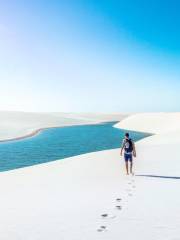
{"type": "Point", "coordinates": [65, 199]}
{"type": "Point", "coordinates": [14, 125]}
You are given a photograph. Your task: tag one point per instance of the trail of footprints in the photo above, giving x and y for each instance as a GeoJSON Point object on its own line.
{"type": "Point", "coordinates": [118, 206]}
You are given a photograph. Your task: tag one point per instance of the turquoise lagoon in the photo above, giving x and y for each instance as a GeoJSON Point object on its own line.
{"type": "Point", "coordinates": [59, 143]}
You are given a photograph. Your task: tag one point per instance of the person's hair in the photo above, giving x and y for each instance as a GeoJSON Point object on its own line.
{"type": "Point", "coordinates": [127, 134]}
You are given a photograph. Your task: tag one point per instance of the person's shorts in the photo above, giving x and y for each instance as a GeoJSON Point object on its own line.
{"type": "Point", "coordinates": [128, 157]}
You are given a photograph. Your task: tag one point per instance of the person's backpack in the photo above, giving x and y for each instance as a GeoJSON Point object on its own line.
{"type": "Point", "coordinates": [128, 146]}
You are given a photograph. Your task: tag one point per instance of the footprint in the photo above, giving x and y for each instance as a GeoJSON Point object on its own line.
{"type": "Point", "coordinates": [119, 207]}
{"type": "Point", "coordinates": [107, 216]}
{"type": "Point", "coordinates": [129, 190]}
{"type": "Point", "coordinates": [118, 199]}
{"type": "Point", "coordinates": [102, 229]}
{"type": "Point", "coordinates": [130, 194]}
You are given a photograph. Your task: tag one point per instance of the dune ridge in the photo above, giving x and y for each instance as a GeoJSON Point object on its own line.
{"type": "Point", "coordinates": [18, 125]}
{"type": "Point", "coordinates": [90, 197]}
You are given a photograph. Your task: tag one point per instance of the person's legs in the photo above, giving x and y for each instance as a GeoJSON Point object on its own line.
{"type": "Point", "coordinates": [131, 164]}
{"type": "Point", "coordinates": [126, 163]}
{"type": "Point", "coordinates": [127, 168]}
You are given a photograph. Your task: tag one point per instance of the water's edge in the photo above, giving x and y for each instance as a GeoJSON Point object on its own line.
{"type": "Point", "coordinates": [57, 143]}
{"type": "Point", "coordinates": [39, 130]}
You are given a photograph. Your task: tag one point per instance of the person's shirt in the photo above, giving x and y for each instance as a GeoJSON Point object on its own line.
{"type": "Point", "coordinates": [127, 145]}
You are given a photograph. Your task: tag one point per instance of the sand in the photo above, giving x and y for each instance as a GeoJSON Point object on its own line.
{"type": "Point", "coordinates": [15, 125]}
{"type": "Point", "coordinates": [65, 199]}
{"type": "Point", "coordinates": [152, 122]}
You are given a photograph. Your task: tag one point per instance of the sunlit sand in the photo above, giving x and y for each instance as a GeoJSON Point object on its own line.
{"type": "Point", "coordinates": [90, 197]}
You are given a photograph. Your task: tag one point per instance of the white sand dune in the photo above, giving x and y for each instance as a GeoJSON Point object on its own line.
{"type": "Point", "coordinates": [152, 122]}
{"type": "Point", "coordinates": [21, 124]}
{"type": "Point", "coordinates": [65, 199]}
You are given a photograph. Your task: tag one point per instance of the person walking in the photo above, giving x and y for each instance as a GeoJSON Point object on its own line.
{"type": "Point", "coordinates": [129, 149]}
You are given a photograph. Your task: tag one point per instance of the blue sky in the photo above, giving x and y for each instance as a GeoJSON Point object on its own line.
{"type": "Point", "coordinates": [90, 56]}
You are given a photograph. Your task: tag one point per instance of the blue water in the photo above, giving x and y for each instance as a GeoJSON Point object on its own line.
{"type": "Point", "coordinates": [59, 143]}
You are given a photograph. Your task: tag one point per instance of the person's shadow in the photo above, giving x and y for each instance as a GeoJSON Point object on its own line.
{"type": "Point", "coordinates": [156, 176]}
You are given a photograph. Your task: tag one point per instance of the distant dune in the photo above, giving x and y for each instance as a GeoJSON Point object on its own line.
{"type": "Point", "coordinates": [151, 122]}
{"type": "Point", "coordinates": [14, 125]}
{"type": "Point", "coordinates": [90, 197]}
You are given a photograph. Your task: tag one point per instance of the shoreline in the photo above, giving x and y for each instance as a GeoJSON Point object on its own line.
{"type": "Point", "coordinates": [71, 196]}
{"type": "Point", "coordinates": [38, 131]}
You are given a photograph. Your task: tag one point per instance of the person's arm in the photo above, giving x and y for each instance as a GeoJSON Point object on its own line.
{"type": "Point", "coordinates": [122, 147]}
{"type": "Point", "coordinates": [134, 150]}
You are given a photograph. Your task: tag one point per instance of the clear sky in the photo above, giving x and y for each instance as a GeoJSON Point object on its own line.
{"type": "Point", "coordinates": [90, 55]}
